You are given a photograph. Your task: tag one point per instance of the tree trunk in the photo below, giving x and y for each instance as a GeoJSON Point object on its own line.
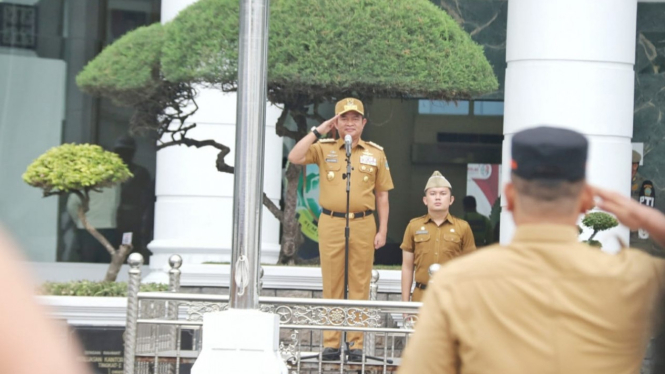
{"type": "Point", "coordinates": [291, 234]}
{"type": "Point", "coordinates": [117, 259]}
{"type": "Point", "coordinates": [117, 256]}
{"type": "Point", "coordinates": [593, 235]}
{"type": "Point", "coordinates": [94, 231]}
{"type": "Point", "coordinates": [292, 237]}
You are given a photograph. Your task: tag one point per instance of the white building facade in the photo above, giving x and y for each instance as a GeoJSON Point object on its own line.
{"type": "Point", "coordinates": [570, 63]}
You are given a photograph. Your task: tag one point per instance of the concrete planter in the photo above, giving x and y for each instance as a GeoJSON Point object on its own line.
{"type": "Point", "coordinates": [87, 311]}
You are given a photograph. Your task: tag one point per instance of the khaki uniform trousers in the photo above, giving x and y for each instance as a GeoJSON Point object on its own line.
{"type": "Point", "coordinates": [361, 259]}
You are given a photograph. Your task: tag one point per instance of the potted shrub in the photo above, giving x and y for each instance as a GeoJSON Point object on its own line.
{"type": "Point", "coordinates": [80, 169]}
{"type": "Point", "coordinates": [598, 221]}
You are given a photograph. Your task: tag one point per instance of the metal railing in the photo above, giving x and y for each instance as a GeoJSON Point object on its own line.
{"type": "Point", "coordinates": [164, 329]}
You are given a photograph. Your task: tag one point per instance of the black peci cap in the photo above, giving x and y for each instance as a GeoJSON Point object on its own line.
{"type": "Point", "coordinates": [549, 153]}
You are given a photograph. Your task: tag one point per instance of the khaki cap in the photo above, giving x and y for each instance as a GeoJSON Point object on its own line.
{"type": "Point", "coordinates": [437, 180]}
{"type": "Point", "coordinates": [349, 104]}
{"type": "Point", "coordinates": [637, 157]}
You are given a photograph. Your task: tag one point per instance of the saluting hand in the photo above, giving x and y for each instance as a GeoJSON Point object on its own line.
{"type": "Point", "coordinates": [379, 240]}
{"type": "Point", "coordinates": [632, 214]}
{"type": "Point", "coordinates": [628, 211]}
{"type": "Point", "coordinates": [328, 125]}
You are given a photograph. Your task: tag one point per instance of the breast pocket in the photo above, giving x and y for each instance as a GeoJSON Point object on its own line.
{"type": "Point", "coordinates": [452, 243]}
{"type": "Point", "coordinates": [367, 173]}
{"type": "Point", "coordinates": [331, 172]}
{"type": "Point", "coordinates": [423, 243]}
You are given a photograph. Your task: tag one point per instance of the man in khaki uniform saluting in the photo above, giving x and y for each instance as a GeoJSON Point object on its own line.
{"type": "Point", "coordinates": [545, 303]}
{"type": "Point", "coordinates": [434, 238]}
{"type": "Point", "coordinates": [370, 183]}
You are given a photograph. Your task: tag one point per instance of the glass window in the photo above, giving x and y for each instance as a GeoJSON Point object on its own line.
{"type": "Point", "coordinates": [488, 108]}
{"type": "Point", "coordinates": [43, 47]}
{"type": "Point", "coordinates": [450, 108]}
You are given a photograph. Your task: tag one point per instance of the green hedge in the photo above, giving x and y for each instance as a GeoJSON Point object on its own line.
{"type": "Point", "coordinates": [89, 288]}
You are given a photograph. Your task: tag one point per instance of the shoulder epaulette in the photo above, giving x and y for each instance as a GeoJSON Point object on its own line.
{"type": "Point", "coordinates": [421, 217]}
{"type": "Point", "coordinates": [375, 145]}
{"type": "Point", "coordinates": [327, 140]}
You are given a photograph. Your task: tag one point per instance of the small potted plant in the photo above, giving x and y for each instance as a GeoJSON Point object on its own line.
{"type": "Point", "coordinates": [598, 221]}
{"type": "Point", "coordinates": [80, 169]}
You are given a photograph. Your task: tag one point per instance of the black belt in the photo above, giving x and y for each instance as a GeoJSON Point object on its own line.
{"type": "Point", "coordinates": [343, 215]}
{"type": "Point", "coordinates": [422, 286]}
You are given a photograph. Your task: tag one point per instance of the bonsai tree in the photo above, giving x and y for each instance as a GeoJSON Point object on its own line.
{"type": "Point", "coordinates": [598, 221]}
{"type": "Point", "coordinates": [78, 169]}
{"type": "Point", "coordinates": [318, 52]}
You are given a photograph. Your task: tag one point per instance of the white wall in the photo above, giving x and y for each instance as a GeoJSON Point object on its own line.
{"type": "Point", "coordinates": [194, 208]}
{"type": "Point", "coordinates": [32, 92]}
{"type": "Point", "coordinates": [577, 75]}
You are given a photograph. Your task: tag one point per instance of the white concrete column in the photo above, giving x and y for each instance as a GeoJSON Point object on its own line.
{"type": "Point", "coordinates": [570, 64]}
{"type": "Point", "coordinates": [193, 213]}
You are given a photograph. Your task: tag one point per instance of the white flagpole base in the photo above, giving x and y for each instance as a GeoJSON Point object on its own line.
{"type": "Point", "coordinates": [240, 341]}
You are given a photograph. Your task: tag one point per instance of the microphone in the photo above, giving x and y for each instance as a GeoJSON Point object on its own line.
{"type": "Point", "coordinates": [347, 143]}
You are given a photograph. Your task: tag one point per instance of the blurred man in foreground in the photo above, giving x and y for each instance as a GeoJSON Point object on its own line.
{"type": "Point", "coordinates": [31, 344]}
{"type": "Point", "coordinates": [545, 303]}
{"type": "Point", "coordinates": [638, 216]}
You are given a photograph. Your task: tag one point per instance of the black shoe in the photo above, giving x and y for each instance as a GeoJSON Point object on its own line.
{"type": "Point", "coordinates": [330, 354]}
{"type": "Point", "coordinates": [355, 355]}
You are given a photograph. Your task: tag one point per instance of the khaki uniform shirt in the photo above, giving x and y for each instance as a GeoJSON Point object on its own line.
{"type": "Point", "coordinates": [370, 172]}
{"type": "Point", "coordinates": [635, 240]}
{"type": "Point", "coordinates": [432, 244]}
{"type": "Point", "coordinates": [635, 186]}
{"type": "Point", "coordinates": [543, 304]}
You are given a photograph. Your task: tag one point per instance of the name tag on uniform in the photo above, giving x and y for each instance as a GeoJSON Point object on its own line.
{"type": "Point", "coordinates": [331, 160]}
{"type": "Point", "coordinates": [422, 232]}
{"type": "Point", "coordinates": [368, 160]}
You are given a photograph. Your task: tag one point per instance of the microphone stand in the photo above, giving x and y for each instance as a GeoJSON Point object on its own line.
{"type": "Point", "coordinates": [347, 233]}
{"type": "Point", "coordinates": [345, 352]}
{"type": "Point", "coordinates": [345, 346]}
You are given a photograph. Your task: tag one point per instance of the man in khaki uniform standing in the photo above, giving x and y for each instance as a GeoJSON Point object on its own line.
{"type": "Point", "coordinates": [642, 191]}
{"type": "Point", "coordinates": [370, 183]}
{"type": "Point", "coordinates": [434, 238]}
{"type": "Point", "coordinates": [545, 303]}
{"type": "Point", "coordinates": [635, 187]}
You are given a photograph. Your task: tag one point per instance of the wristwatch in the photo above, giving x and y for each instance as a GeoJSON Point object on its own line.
{"type": "Point", "coordinates": [316, 133]}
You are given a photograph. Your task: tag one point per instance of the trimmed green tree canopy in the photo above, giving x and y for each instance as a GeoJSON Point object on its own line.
{"type": "Point", "coordinates": [599, 221]}
{"type": "Point", "coordinates": [127, 71]}
{"type": "Point", "coordinates": [320, 49]}
{"type": "Point", "coordinates": [203, 44]}
{"type": "Point", "coordinates": [373, 48]}
{"type": "Point", "coordinates": [76, 167]}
